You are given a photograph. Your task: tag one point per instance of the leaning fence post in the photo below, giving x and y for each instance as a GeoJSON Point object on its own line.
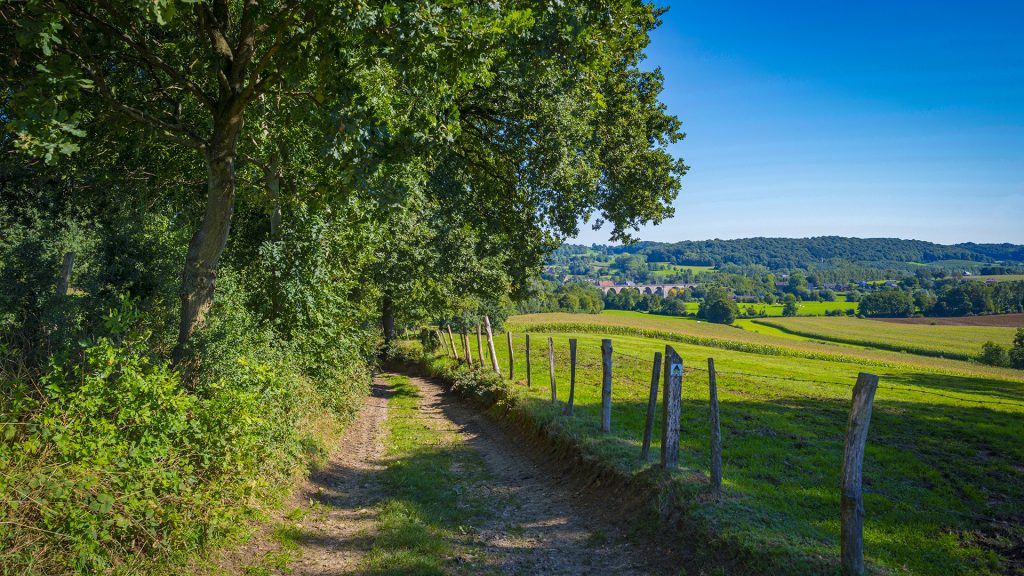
{"type": "Point", "coordinates": [606, 385]}
{"type": "Point", "coordinates": [465, 346]}
{"type": "Point", "coordinates": [572, 375]}
{"type": "Point", "coordinates": [65, 274]}
{"type": "Point", "coordinates": [670, 409]}
{"type": "Point", "coordinates": [451, 339]}
{"type": "Point", "coordinates": [551, 368]}
{"type": "Point", "coordinates": [480, 345]}
{"type": "Point", "coordinates": [852, 503]}
{"type": "Point", "coordinates": [716, 433]}
{"type": "Point", "coordinates": [440, 340]}
{"type": "Point", "coordinates": [490, 346]}
{"type": "Point", "coordinates": [652, 405]}
{"type": "Point", "coordinates": [529, 382]}
{"type": "Point", "coordinates": [511, 358]}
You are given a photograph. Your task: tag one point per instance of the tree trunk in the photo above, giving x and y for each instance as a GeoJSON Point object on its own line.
{"type": "Point", "coordinates": [388, 319]}
{"type": "Point", "coordinates": [200, 274]}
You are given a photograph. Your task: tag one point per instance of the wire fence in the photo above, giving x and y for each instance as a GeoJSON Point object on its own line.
{"type": "Point", "coordinates": [632, 374]}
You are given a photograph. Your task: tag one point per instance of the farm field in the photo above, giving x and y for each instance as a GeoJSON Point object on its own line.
{"type": "Point", "coordinates": [999, 278]}
{"type": "Point", "coordinates": [676, 268]}
{"type": "Point", "coordinates": [802, 308]}
{"type": "Point", "coordinates": [1006, 320]}
{"type": "Point", "coordinates": [942, 480]}
{"type": "Point", "coordinates": [950, 341]}
{"type": "Point", "coordinates": [735, 337]}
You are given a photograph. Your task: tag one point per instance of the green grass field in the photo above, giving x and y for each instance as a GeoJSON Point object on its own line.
{"type": "Point", "coordinates": [949, 341]}
{"type": "Point", "coordinates": [943, 482]}
{"type": "Point", "coordinates": [999, 278]}
{"type": "Point", "coordinates": [677, 268]}
{"type": "Point", "coordinates": [802, 308]}
{"type": "Point", "coordinates": [689, 330]}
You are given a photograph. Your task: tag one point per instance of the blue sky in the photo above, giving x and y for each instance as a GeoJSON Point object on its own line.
{"type": "Point", "coordinates": [896, 119]}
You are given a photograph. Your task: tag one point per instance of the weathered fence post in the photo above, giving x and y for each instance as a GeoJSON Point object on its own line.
{"type": "Point", "coordinates": [551, 368]}
{"type": "Point", "coordinates": [716, 433]}
{"type": "Point", "coordinates": [852, 503]}
{"type": "Point", "coordinates": [451, 339]}
{"type": "Point", "coordinates": [65, 274]}
{"type": "Point", "coordinates": [465, 346]}
{"type": "Point", "coordinates": [529, 382]}
{"type": "Point", "coordinates": [606, 385]}
{"type": "Point", "coordinates": [511, 358]}
{"type": "Point", "coordinates": [670, 409]}
{"type": "Point", "coordinates": [652, 405]}
{"type": "Point", "coordinates": [572, 375]}
{"type": "Point", "coordinates": [440, 340]}
{"type": "Point", "coordinates": [480, 345]}
{"type": "Point", "coordinates": [490, 345]}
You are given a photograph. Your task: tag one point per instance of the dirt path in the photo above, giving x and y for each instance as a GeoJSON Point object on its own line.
{"type": "Point", "coordinates": [544, 527]}
{"type": "Point", "coordinates": [535, 522]}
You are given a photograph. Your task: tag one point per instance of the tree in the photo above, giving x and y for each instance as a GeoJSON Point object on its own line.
{"type": "Point", "coordinates": [190, 75]}
{"type": "Point", "coordinates": [994, 355]}
{"type": "Point", "coordinates": [789, 307]}
{"type": "Point", "coordinates": [1017, 351]}
{"type": "Point", "coordinates": [887, 304]}
{"type": "Point", "coordinates": [718, 306]}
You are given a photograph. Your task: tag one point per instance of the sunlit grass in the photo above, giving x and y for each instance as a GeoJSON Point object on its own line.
{"type": "Point", "coordinates": [942, 476]}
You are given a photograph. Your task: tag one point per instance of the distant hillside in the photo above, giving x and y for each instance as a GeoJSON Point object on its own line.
{"type": "Point", "coordinates": [778, 253]}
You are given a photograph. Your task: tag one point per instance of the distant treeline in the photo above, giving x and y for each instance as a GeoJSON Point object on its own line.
{"type": "Point", "coordinates": [786, 253]}
{"type": "Point", "coordinates": [944, 298]}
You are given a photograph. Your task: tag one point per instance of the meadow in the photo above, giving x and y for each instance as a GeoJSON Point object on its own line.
{"type": "Point", "coordinates": [943, 485]}
{"type": "Point", "coordinates": [759, 338]}
{"type": "Point", "coordinates": [962, 342]}
{"type": "Point", "coordinates": [802, 308]}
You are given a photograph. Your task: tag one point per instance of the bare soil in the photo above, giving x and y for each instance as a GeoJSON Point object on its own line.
{"type": "Point", "coordinates": [1003, 320]}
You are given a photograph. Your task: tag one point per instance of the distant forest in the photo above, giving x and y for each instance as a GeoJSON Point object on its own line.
{"type": "Point", "coordinates": [791, 253]}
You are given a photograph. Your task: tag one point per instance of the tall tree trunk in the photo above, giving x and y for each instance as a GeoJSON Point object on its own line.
{"type": "Point", "coordinates": [200, 274]}
{"type": "Point", "coordinates": [388, 319]}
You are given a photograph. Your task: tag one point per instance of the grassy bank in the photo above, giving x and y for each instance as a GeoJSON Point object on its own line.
{"type": "Point", "coordinates": [943, 494]}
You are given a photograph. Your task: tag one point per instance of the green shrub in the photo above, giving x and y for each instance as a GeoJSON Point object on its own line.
{"type": "Point", "coordinates": [994, 355]}
{"type": "Point", "coordinates": [109, 462]}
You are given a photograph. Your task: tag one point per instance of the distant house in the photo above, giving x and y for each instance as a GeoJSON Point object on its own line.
{"type": "Point", "coordinates": [605, 283]}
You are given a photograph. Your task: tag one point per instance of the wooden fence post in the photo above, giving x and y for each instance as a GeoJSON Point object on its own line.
{"type": "Point", "coordinates": [852, 504]}
{"type": "Point", "coordinates": [490, 345]}
{"type": "Point", "coordinates": [511, 358]}
{"type": "Point", "coordinates": [716, 433]}
{"type": "Point", "coordinates": [465, 346]}
{"type": "Point", "coordinates": [451, 339]}
{"type": "Point", "coordinates": [440, 340]}
{"type": "Point", "coordinates": [551, 368]}
{"type": "Point", "coordinates": [65, 274]}
{"type": "Point", "coordinates": [670, 409]}
{"type": "Point", "coordinates": [480, 345]}
{"type": "Point", "coordinates": [606, 385]}
{"type": "Point", "coordinates": [572, 375]}
{"type": "Point", "coordinates": [652, 405]}
{"type": "Point", "coordinates": [529, 382]}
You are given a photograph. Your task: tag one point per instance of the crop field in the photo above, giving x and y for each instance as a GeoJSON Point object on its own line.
{"type": "Point", "coordinates": [1000, 278]}
{"type": "Point", "coordinates": [761, 338]}
{"type": "Point", "coordinates": [803, 308]}
{"type": "Point", "coordinates": [944, 492]}
{"type": "Point", "coordinates": [1006, 320]}
{"type": "Point", "coordinates": [676, 268]}
{"type": "Point", "coordinates": [949, 341]}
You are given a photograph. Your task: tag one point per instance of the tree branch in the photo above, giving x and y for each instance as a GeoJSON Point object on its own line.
{"type": "Point", "coordinates": [145, 53]}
